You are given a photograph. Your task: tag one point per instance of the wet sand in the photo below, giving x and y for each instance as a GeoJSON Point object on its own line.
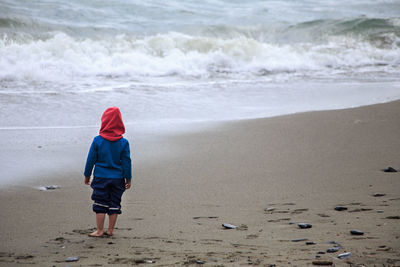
{"type": "Point", "coordinates": [264, 176]}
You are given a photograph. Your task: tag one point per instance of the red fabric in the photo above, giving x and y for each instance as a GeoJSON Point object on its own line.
{"type": "Point", "coordinates": [112, 127]}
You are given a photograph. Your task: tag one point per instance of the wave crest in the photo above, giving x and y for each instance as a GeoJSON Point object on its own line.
{"type": "Point", "coordinates": [62, 57]}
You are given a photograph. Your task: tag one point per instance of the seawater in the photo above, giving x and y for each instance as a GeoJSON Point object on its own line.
{"type": "Point", "coordinates": [63, 62]}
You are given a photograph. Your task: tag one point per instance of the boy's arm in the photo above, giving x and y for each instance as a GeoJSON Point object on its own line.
{"type": "Point", "coordinates": [127, 165]}
{"type": "Point", "coordinates": [90, 161]}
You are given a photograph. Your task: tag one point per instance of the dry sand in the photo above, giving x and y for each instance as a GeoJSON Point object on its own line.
{"type": "Point", "coordinates": [264, 176]}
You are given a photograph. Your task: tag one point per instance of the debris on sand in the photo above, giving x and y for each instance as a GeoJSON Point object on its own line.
{"type": "Point", "coordinates": [390, 169]}
{"type": "Point", "coordinates": [322, 263]}
{"type": "Point", "coordinates": [344, 255]}
{"type": "Point", "coordinates": [48, 187]}
{"type": "Point", "coordinates": [356, 232]}
{"type": "Point", "coordinates": [304, 225]}
{"type": "Point", "coordinates": [229, 226]}
{"type": "Point", "coordinates": [72, 259]}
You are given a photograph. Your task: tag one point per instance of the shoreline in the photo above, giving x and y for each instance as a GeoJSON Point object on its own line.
{"type": "Point", "coordinates": [259, 174]}
{"type": "Point", "coordinates": [14, 150]}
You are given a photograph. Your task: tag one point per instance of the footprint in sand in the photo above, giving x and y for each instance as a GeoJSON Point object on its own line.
{"type": "Point", "coordinates": [251, 236]}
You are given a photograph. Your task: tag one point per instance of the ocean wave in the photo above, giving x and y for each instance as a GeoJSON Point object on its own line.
{"type": "Point", "coordinates": [347, 46]}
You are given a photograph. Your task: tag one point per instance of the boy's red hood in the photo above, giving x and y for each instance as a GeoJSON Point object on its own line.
{"type": "Point", "coordinates": [112, 127]}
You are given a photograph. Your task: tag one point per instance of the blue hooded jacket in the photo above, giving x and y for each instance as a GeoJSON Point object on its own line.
{"type": "Point", "coordinates": [109, 153]}
{"type": "Point", "coordinates": [111, 159]}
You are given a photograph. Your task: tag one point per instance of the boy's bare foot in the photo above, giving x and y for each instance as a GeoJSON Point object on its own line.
{"type": "Point", "coordinates": [108, 233]}
{"type": "Point", "coordinates": [96, 234]}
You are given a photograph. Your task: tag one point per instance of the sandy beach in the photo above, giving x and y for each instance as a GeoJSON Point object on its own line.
{"type": "Point", "coordinates": [264, 176]}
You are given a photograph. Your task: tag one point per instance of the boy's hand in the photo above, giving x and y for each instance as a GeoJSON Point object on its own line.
{"type": "Point", "coordinates": [128, 184]}
{"type": "Point", "coordinates": [87, 180]}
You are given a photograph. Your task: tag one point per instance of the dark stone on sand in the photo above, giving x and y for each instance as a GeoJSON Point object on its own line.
{"type": "Point", "coordinates": [48, 187]}
{"type": "Point", "coordinates": [72, 259]}
{"type": "Point", "coordinates": [200, 262]}
{"type": "Point", "coordinates": [322, 263]}
{"type": "Point", "coordinates": [304, 225]}
{"type": "Point", "coordinates": [333, 250]}
{"type": "Point", "coordinates": [340, 208]}
{"type": "Point", "coordinates": [310, 243]}
{"type": "Point", "coordinates": [356, 232]}
{"type": "Point", "coordinates": [320, 252]}
{"type": "Point", "coordinates": [378, 195]}
{"type": "Point", "coordinates": [51, 187]}
{"type": "Point", "coordinates": [390, 169]}
{"type": "Point", "coordinates": [393, 217]}
{"type": "Point", "coordinates": [299, 240]}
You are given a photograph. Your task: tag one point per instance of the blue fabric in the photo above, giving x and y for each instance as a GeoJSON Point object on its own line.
{"type": "Point", "coordinates": [110, 159]}
{"type": "Point", "coordinates": [107, 193]}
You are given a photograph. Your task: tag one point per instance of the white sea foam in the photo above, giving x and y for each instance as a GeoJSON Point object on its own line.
{"type": "Point", "coordinates": [65, 59]}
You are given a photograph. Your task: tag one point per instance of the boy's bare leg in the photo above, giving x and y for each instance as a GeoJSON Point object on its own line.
{"type": "Point", "coordinates": [100, 217]}
{"type": "Point", "coordinates": [111, 223]}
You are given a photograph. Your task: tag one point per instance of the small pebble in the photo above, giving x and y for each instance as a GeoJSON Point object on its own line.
{"type": "Point", "coordinates": [356, 232]}
{"type": "Point", "coordinates": [340, 208]}
{"type": "Point", "coordinates": [72, 259]}
{"type": "Point", "coordinates": [270, 209]}
{"type": "Point", "coordinates": [200, 262]}
{"type": "Point", "coordinates": [393, 217]}
{"type": "Point", "coordinates": [48, 187]}
{"type": "Point", "coordinates": [378, 195]}
{"type": "Point", "coordinates": [322, 263]}
{"type": "Point", "coordinates": [390, 169]}
{"type": "Point", "coordinates": [333, 250]}
{"type": "Point", "coordinates": [229, 226]}
{"type": "Point", "coordinates": [304, 225]}
{"type": "Point", "coordinates": [379, 211]}
{"type": "Point", "coordinates": [344, 255]}
{"type": "Point", "coordinates": [320, 252]}
{"type": "Point", "coordinates": [308, 243]}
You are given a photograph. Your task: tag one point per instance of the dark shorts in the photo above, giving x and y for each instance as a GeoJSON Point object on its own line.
{"type": "Point", "coordinates": [107, 193]}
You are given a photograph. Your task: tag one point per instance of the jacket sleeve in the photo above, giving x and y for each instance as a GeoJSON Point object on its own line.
{"type": "Point", "coordinates": [91, 160]}
{"type": "Point", "coordinates": [126, 162]}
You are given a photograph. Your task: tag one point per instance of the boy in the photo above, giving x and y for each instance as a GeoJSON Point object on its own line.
{"type": "Point", "coordinates": [109, 154]}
